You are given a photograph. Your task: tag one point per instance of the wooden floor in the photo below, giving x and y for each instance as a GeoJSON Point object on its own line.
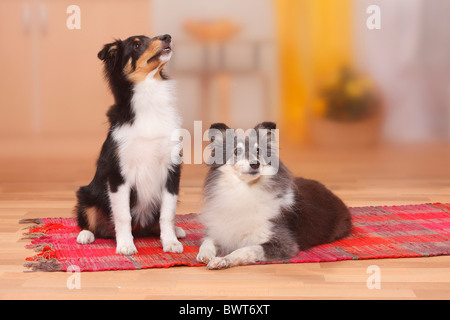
{"type": "Point", "coordinates": [43, 186]}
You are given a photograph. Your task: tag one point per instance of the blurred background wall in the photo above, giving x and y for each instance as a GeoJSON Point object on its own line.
{"type": "Point", "coordinates": [226, 62]}
{"type": "Point", "coordinates": [409, 59]}
{"type": "Point", "coordinates": [313, 66]}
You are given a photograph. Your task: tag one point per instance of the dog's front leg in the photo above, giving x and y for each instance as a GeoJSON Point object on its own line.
{"type": "Point", "coordinates": [120, 207]}
{"type": "Point", "coordinates": [207, 250]}
{"type": "Point", "coordinates": [238, 257]}
{"type": "Point", "coordinates": [167, 223]}
{"type": "Point", "coordinates": [170, 233]}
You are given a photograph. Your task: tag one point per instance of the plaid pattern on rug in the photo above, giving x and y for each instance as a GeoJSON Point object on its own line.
{"type": "Point", "coordinates": [378, 232]}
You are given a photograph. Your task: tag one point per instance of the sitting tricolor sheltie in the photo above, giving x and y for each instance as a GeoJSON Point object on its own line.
{"type": "Point", "coordinates": [255, 210]}
{"type": "Point", "coordinates": [135, 189]}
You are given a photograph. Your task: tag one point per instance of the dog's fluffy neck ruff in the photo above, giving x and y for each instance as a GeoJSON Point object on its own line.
{"type": "Point", "coordinates": [149, 98]}
{"type": "Point", "coordinates": [154, 112]}
{"type": "Point", "coordinates": [154, 96]}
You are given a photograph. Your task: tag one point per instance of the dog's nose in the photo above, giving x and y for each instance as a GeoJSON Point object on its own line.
{"type": "Point", "coordinates": [254, 165]}
{"type": "Point", "coordinates": [165, 38]}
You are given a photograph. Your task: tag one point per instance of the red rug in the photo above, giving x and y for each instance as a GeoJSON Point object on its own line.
{"type": "Point", "coordinates": [378, 232]}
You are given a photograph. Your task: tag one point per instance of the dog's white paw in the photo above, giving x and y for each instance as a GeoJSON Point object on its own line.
{"type": "Point", "coordinates": [174, 246]}
{"type": "Point", "coordinates": [180, 233]}
{"type": "Point", "coordinates": [204, 256]}
{"type": "Point", "coordinates": [126, 248]}
{"type": "Point", "coordinates": [85, 237]}
{"type": "Point", "coordinates": [218, 263]}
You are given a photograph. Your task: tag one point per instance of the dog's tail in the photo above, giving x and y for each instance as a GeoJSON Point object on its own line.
{"type": "Point", "coordinates": [84, 198]}
{"type": "Point", "coordinates": [89, 214]}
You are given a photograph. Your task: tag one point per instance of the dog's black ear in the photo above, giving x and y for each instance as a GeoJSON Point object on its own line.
{"type": "Point", "coordinates": [212, 132]}
{"type": "Point", "coordinates": [266, 129]}
{"type": "Point", "coordinates": [109, 50]}
{"type": "Point", "coordinates": [266, 125]}
{"type": "Point", "coordinates": [266, 133]}
{"type": "Point", "coordinates": [219, 126]}
{"type": "Point", "coordinates": [217, 135]}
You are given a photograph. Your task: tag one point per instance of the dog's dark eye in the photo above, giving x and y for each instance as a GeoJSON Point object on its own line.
{"type": "Point", "coordinates": [137, 44]}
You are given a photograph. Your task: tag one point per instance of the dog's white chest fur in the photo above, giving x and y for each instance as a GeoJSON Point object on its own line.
{"type": "Point", "coordinates": [145, 146]}
{"type": "Point", "coordinates": [236, 214]}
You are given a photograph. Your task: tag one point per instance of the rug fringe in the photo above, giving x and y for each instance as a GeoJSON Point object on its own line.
{"type": "Point", "coordinates": [32, 220]}
{"type": "Point", "coordinates": [34, 235]}
{"type": "Point", "coordinates": [45, 260]}
{"type": "Point", "coordinates": [40, 247]}
{"type": "Point", "coordinates": [48, 265]}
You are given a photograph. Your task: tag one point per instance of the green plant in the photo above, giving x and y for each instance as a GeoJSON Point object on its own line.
{"type": "Point", "coordinates": [347, 96]}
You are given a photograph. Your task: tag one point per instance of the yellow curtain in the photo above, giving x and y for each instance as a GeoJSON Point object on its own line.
{"type": "Point", "coordinates": [314, 40]}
